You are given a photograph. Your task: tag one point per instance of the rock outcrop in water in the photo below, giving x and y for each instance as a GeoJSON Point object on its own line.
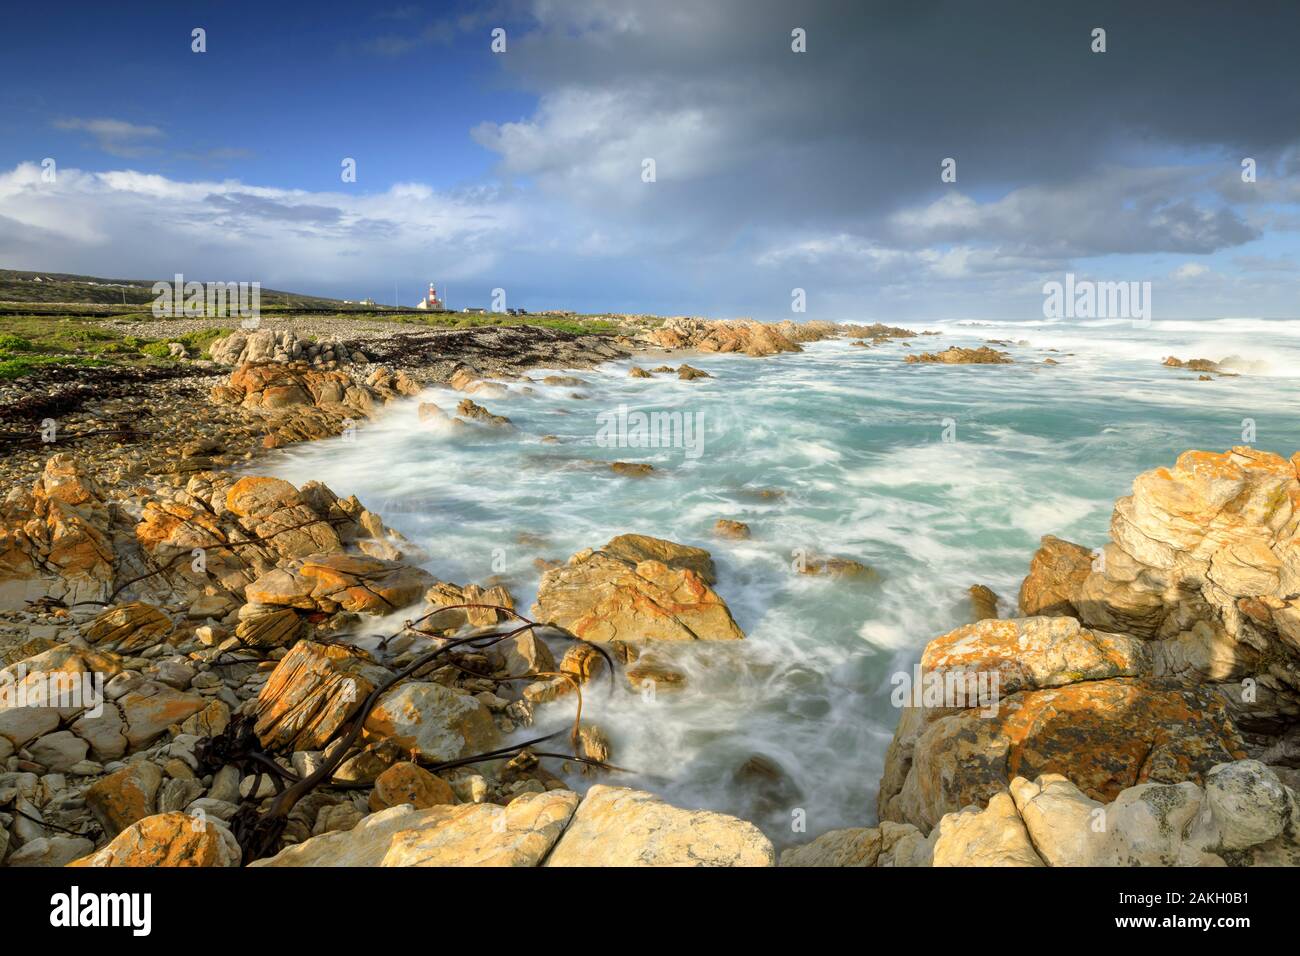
{"type": "Point", "coordinates": [956, 355]}
{"type": "Point", "coordinates": [750, 338]}
{"type": "Point", "coordinates": [637, 588]}
{"type": "Point", "coordinates": [1048, 696]}
{"type": "Point", "coordinates": [1193, 365]}
{"type": "Point", "coordinates": [1204, 563]}
{"type": "Point", "coordinates": [1163, 686]}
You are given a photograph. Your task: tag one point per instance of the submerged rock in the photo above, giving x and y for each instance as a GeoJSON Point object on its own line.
{"type": "Point", "coordinates": [984, 603]}
{"type": "Point", "coordinates": [1195, 365]}
{"type": "Point", "coordinates": [432, 721]}
{"type": "Point", "coordinates": [733, 530]}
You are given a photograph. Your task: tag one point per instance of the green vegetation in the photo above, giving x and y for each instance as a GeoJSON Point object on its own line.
{"type": "Point", "coordinates": [47, 339]}
{"type": "Point", "coordinates": [79, 320]}
{"type": "Point", "coordinates": [198, 341]}
{"type": "Point", "coordinates": [17, 366]}
{"type": "Point", "coordinates": [14, 343]}
{"type": "Point", "coordinates": [578, 325]}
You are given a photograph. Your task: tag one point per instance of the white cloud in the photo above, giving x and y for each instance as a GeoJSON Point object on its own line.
{"type": "Point", "coordinates": [128, 223]}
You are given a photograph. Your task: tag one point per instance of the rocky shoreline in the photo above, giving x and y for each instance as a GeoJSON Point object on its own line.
{"type": "Point", "coordinates": [249, 716]}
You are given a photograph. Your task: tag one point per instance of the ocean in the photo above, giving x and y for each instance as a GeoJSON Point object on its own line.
{"type": "Point", "coordinates": [937, 477]}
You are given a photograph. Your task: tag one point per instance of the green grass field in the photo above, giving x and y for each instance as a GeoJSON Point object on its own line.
{"type": "Point", "coordinates": [29, 342]}
{"type": "Point", "coordinates": [66, 319]}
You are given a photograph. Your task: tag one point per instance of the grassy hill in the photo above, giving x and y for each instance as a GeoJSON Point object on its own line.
{"type": "Point", "coordinates": [64, 288]}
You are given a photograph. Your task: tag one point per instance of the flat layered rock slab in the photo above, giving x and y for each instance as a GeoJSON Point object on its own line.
{"type": "Point", "coordinates": [311, 692]}
{"type": "Point", "coordinates": [348, 582]}
{"type": "Point", "coordinates": [637, 588]}
{"type": "Point", "coordinates": [1035, 653]}
{"type": "Point", "coordinates": [615, 826]}
{"type": "Point", "coordinates": [482, 834]}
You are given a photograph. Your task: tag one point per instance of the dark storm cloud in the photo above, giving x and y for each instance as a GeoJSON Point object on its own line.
{"type": "Point", "coordinates": [749, 135]}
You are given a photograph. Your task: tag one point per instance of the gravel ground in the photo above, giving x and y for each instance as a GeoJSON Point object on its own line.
{"type": "Point", "coordinates": [137, 424]}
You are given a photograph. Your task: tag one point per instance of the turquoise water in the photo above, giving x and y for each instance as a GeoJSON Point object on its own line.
{"type": "Point", "coordinates": [855, 439]}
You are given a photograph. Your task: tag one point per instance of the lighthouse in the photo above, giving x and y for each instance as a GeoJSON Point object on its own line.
{"type": "Point", "coordinates": [431, 301]}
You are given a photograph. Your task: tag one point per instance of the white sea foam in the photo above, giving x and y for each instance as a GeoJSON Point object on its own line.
{"type": "Point", "coordinates": [854, 438]}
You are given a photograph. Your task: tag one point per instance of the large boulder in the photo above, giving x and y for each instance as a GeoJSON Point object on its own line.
{"type": "Point", "coordinates": [1243, 815]}
{"type": "Point", "coordinates": [622, 593]}
{"type": "Point", "coordinates": [1056, 575]}
{"type": "Point", "coordinates": [483, 834]}
{"type": "Point", "coordinates": [169, 839]}
{"type": "Point", "coordinates": [272, 509]}
{"type": "Point", "coordinates": [124, 797]}
{"type": "Point", "coordinates": [890, 844]}
{"type": "Point", "coordinates": [407, 782]}
{"type": "Point", "coordinates": [1065, 699]}
{"type": "Point", "coordinates": [1204, 561]}
{"type": "Point", "coordinates": [129, 628]}
{"type": "Point", "coordinates": [152, 708]}
{"type": "Point", "coordinates": [994, 836]}
{"type": "Point", "coordinates": [247, 526]}
{"type": "Point", "coordinates": [446, 594]}
{"type": "Point", "coordinates": [615, 826]}
{"type": "Point", "coordinates": [60, 683]}
{"type": "Point", "coordinates": [341, 582]}
{"type": "Point", "coordinates": [432, 721]}
{"type": "Point", "coordinates": [300, 402]}
{"type": "Point", "coordinates": [635, 548]}
{"type": "Point", "coordinates": [55, 539]}
{"type": "Point", "coordinates": [311, 693]}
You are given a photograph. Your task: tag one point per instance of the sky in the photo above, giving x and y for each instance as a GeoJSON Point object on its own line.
{"type": "Point", "coordinates": [779, 176]}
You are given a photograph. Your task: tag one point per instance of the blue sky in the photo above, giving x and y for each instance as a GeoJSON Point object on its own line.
{"type": "Point", "coordinates": [277, 94]}
{"type": "Point", "coordinates": [775, 170]}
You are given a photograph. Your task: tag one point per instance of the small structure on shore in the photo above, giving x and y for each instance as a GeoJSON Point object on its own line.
{"type": "Point", "coordinates": [431, 302]}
